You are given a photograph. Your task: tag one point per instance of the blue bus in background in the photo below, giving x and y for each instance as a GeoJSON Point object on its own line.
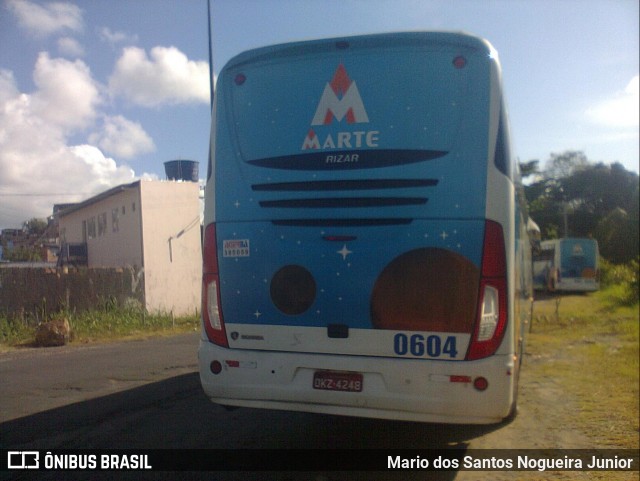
{"type": "Point", "coordinates": [569, 265]}
{"type": "Point", "coordinates": [365, 247]}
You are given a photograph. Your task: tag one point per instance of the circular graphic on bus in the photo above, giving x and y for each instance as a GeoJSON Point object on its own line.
{"type": "Point", "coordinates": [293, 289]}
{"type": "Point", "coordinates": [427, 289]}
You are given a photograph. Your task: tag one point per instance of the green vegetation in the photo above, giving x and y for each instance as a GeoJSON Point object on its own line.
{"type": "Point", "coordinates": [100, 325]}
{"type": "Point", "coordinates": [34, 231]}
{"type": "Point", "coordinates": [620, 286]}
{"type": "Point", "coordinates": [589, 346]}
{"type": "Point", "coordinates": [574, 197]}
{"type": "Point", "coordinates": [15, 332]}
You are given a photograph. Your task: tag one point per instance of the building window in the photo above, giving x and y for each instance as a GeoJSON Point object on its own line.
{"type": "Point", "coordinates": [115, 214]}
{"type": "Point", "coordinates": [133, 207]}
{"type": "Point", "coordinates": [91, 228]}
{"type": "Point", "coordinates": [102, 224]}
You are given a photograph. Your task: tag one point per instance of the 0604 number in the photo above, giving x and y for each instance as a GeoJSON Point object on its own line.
{"type": "Point", "coordinates": [419, 346]}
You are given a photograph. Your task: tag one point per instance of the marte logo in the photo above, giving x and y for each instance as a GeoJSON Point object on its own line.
{"type": "Point", "coordinates": [340, 100]}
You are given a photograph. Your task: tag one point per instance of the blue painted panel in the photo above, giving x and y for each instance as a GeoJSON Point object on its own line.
{"type": "Point", "coordinates": [392, 106]}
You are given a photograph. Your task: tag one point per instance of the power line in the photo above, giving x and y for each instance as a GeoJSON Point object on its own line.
{"type": "Point", "coordinates": [48, 194]}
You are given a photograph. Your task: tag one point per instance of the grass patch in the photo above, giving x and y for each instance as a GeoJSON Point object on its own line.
{"type": "Point", "coordinates": [14, 332]}
{"type": "Point", "coordinates": [100, 326]}
{"type": "Point", "coordinates": [590, 347]}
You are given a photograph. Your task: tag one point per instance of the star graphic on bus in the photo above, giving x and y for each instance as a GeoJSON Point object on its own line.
{"type": "Point", "coordinates": [344, 252]}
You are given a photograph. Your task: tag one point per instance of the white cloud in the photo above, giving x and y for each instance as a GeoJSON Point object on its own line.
{"type": "Point", "coordinates": [37, 161]}
{"type": "Point", "coordinates": [167, 76]}
{"type": "Point", "coordinates": [621, 110]}
{"type": "Point", "coordinates": [8, 88]}
{"type": "Point", "coordinates": [114, 38]}
{"type": "Point", "coordinates": [122, 138]}
{"type": "Point", "coordinates": [70, 47]}
{"type": "Point", "coordinates": [47, 19]}
{"type": "Point", "coordinates": [67, 95]}
{"type": "Point", "coordinates": [100, 172]}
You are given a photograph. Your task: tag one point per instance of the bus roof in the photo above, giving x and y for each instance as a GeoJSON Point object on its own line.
{"type": "Point", "coordinates": [379, 40]}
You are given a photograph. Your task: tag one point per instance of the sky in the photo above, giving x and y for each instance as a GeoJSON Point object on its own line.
{"type": "Point", "coordinates": [97, 93]}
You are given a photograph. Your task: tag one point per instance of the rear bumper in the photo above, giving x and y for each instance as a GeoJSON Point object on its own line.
{"type": "Point", "coordinates": [398, 389]}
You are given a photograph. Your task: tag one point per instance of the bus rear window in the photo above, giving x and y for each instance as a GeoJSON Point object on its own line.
{"type": "Point", "coordinates": [287, 110]}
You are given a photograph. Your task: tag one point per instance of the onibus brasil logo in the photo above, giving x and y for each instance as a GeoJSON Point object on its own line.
{"type": "Point", "coordinates": [341, 100]}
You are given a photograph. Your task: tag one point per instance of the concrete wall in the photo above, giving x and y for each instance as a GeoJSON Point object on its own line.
{"type": "Point", "coordinates": [148, 225]}
{"type": "Point", "coordinates": [115, 240]}
{"type": "Point", "coordinates": [172, 246]}
{"type": "Point", "coordinates": [35, 292]}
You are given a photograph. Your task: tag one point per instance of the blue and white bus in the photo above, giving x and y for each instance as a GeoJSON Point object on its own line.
{"type": "Point", "coordinates": [365, 243]}
{"type": "Point", "coordinates": [568, 264]}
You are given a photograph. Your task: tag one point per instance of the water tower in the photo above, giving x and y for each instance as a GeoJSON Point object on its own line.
{"type": "Point", "coordinates": [182, 170]}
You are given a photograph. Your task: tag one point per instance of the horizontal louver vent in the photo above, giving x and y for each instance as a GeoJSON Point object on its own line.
{"type": "Point", "coordinates": [336, 185]}
{"type": "Point", "coordinates": [344, 202]}
{"type": "Point", "coordinates": [341, 222]}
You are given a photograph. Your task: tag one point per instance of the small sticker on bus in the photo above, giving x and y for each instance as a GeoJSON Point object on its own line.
{"type": "Point", "coordinates": [235, 248]}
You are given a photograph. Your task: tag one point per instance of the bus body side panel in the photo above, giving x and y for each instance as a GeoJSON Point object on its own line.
{"type": "Point", "coordinates": [506, 206]}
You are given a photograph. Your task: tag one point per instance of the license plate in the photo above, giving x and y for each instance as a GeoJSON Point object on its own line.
{"type": "Point", "coordinates": [338, 381]}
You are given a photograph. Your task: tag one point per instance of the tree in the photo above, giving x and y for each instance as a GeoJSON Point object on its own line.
{"type": "Point", "coordinates": [35, 226]}
{"type": "Point", "coordinates": [529, 168]}
{"type": "Point", "coordinates": [26, 247]}
{"type": "Point", "coordinates": [591, 200]}
{"type": "Point", "coordinates": [23, 254]}
{"type": "Point", "coordinates": [565, 164]}
{"type": "Point", "coordinates": [617, 236]}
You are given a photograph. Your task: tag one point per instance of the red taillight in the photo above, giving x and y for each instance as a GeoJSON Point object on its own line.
{"type": "Point", "coordinates": [216, 367]}
{"type": "Point", "coordinates": [493, 255]}
{"type": "Point", "coordinates": [480, 383]}
{"type": "Point", "coordinates": [210, 251]}
{"type": "Point", "coordinates": [491, 316]}
{"type": "Point", "coordinates": [211, 306]}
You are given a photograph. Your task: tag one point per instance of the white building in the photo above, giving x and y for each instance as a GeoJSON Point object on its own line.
{"type": "Point", "coordinates": [150, 227]}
